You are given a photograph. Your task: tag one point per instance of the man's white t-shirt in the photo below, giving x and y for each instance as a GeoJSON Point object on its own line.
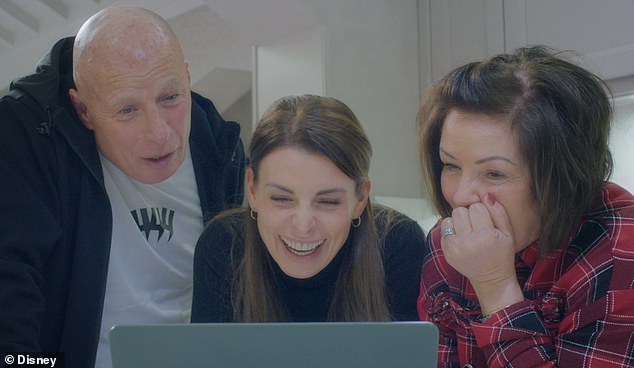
{"type": "Point", "coordinates": [155, 229]}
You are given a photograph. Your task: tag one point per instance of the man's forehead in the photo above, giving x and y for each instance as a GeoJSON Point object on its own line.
{"type": "Point", "coordinates": [134, 55]}
{"type": "Point", "coordinates": [124, 40]}
{"type": "Point", "coordinates": [116, 34]}
{"type": "Point", "coordinates": [132, 40]}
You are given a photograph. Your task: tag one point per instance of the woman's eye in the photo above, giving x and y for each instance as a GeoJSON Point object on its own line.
{"type": "Point", "coordinates": [280, 199]}
{"type": "Point", "coordinates": [446, 166]}
{"type": "Point", "coordinates": [330, 202]}
{"type": "Point", "coordinates": [496, 175]}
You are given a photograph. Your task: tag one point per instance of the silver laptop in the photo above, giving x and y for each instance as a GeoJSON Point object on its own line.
{"type": "Point", "coordinates": [278, 345]}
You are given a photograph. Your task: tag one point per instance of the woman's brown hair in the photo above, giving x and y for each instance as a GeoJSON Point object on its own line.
{"type": "Point", "coordinates": [327, 127]}
{"type": "Point", "coordinates": [559, 111]}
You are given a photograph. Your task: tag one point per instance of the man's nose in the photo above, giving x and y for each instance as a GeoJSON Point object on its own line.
{"type": "Point", "coordinates": [157, 127]}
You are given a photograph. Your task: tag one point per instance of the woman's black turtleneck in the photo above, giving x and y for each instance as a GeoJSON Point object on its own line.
{"type": "Point", "coordinates": [306, 300]}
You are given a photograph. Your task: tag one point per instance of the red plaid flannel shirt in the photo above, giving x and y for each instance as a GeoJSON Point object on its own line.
{"type": "Point", "coordinates": [579, 305]}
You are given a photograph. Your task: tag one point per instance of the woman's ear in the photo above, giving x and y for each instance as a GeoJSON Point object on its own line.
{"type": "Point", "coordinates": [250, 188]}
{"type": "Point", "coordinates": [364, 194]}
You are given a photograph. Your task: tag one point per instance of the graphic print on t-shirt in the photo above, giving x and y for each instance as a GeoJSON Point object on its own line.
{"type": "Point", "coordinates": [154, 232]}
{"type": "Point", "coordinates": [154, 219]}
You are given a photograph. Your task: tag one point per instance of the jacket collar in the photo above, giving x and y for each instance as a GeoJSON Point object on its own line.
{"type": "Point", "coordinates": [49, 85]}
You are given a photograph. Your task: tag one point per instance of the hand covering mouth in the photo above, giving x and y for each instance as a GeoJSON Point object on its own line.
{"type": "Point", "coordinates": [302, 248]}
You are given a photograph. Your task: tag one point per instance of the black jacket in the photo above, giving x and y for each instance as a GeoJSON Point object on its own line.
{"type": "Point", "coordinates": [55, 216]}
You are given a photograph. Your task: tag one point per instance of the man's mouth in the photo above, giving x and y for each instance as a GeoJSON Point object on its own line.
{"type": "Point", "coordinates": [302, 248]}
{"type": "Point", "coordinates": [159, 158]}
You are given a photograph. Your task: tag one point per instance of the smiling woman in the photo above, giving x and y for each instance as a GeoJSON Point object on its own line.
{"type": "Point", "coordinates": [532, 263]}
{"type": "Point", "coordinates": [305, 206]}
{"type": "Point", "coordinates": [310, 246]}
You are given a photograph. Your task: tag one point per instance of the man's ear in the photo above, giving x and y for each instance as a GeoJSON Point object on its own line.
{"type": "Point", "coordinates": [189, 77]}
{"type": "Point", "coordinates": [80, 108]}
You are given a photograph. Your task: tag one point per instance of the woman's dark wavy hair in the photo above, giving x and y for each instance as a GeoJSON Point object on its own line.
{"type": "Point", "coordinates": [561, 114]}
{"type": "Point", "coordinates": [327, 127]}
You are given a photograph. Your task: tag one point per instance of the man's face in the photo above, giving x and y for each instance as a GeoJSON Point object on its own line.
{"type": "Point", "coordinates": [138, 105]}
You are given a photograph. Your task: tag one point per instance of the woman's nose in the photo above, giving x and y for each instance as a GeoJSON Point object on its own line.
{"type": "Point", "coordinates": [304, 220]}
{"type": "Point", "coordinates": [467, 192]}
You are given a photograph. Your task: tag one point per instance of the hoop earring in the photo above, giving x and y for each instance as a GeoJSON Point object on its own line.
{"type": "Point", "coordinates": [358, 222]}
{"type": "Point", "coordinates": [253, 214]}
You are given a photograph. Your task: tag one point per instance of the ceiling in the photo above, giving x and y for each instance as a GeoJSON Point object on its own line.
{"type": "Point", "coordinates": [217, 35]}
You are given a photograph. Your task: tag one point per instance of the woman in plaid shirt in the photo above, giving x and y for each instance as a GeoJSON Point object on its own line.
{"type": "Point", "coordinates": [532, 263]}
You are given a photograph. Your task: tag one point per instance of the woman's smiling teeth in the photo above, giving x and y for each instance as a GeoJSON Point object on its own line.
{"type": "Point", "coordinates": [302, 249]}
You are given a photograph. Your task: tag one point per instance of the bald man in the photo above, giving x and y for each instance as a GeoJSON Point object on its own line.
{"type": "Point", "coordinates": [109, 168]}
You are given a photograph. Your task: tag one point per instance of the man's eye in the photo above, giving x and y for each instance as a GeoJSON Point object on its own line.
{"type": "Point", "coordinates": [171, 99]}
{"type": "Point", "coordinates": [126, 110]}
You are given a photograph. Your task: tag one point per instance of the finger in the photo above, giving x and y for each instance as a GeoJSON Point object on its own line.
{"type": "Point", "coordinates": [461, 220]}
{"type": "Point", "coordinates": [480, 216]}
{"type": "Point", "coordinates": [498, 214]}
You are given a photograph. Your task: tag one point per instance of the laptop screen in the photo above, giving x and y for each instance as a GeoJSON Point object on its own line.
{"type": "Point", "coordinates": [279, 345]}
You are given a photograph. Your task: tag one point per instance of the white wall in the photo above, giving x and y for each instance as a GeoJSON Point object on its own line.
{"type": "Point", "coordinates": [621, 138]}
{"type": "Point", "coordinates": [601, 30]}
{"type": "Point", "coordinates": [459, 31]}
{"type": "Point", "coordinates": [293, 65]}
{"type": "Point", "coordinates": [372, 66]}
{"type": "Point", "coordinates": [366, 53]}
